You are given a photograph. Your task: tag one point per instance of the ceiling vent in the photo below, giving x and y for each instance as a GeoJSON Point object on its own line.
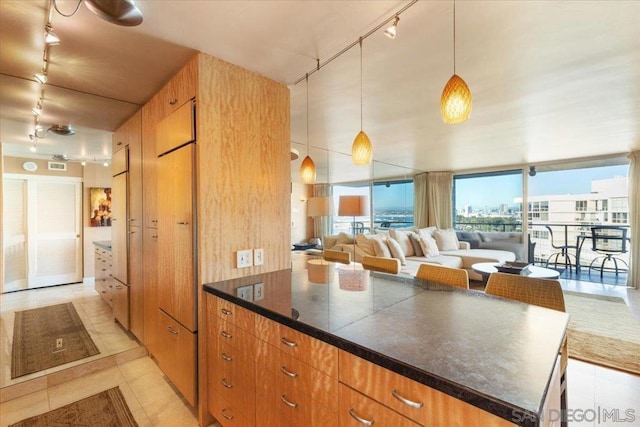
{"type": "Point", "coordinates": [60, 157]}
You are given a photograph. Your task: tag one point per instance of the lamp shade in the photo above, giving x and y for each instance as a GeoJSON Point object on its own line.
{"type": "Point", "coordinates": [320, 206]}
{"type": "Point", "coordinates": [308, 171]}
{"type": "Point", "coordinates": [456, 101]}
{"type": "Point", "coordinates": [361, 150]}
{"type": "Point", "coordinates": [353, 206]}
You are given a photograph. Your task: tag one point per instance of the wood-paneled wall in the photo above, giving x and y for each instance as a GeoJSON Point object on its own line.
{"type": "Point", "coordinates": [243, 170]}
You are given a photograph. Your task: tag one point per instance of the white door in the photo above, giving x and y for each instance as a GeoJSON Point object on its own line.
{"type": "Point", "coordinates": [47, 244]}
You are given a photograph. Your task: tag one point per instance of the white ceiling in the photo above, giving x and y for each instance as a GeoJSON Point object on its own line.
{"type": "Point", "coordinates": [550, 80]}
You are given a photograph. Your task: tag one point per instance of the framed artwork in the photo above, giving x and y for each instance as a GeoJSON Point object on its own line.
{"type": "Point", "coordinates": [100, 207]}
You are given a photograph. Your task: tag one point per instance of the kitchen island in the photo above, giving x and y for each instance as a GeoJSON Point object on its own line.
{"type": "Point", "coordinates": [460, 357]}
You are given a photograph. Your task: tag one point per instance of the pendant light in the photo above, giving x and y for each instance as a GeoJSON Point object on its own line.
{"type": "Point", "coordinates": [361, 150]}
{"type": "Point", "coordinates": [308, 168]}
{"type": "Point", "coordinates": [456, 100]}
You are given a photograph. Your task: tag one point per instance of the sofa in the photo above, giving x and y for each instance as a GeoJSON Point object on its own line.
{"type": "Point", "coordinates": [500, 240]}
{"type": "Point", "coordinates": [415, 246]}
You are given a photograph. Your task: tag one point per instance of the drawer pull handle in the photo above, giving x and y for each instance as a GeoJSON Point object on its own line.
{"type": "Point", "coordinates": [154, 237]}
{"type": "Point", "coordinates": [286, 402]}
{"type": "Point", "coordinates": [226, 384]}
{"type": "Point", "coordinates": [287, 372]}
{"type": "Point", "coordinates": [226, 312]}
{"type": "Point", "coordinates": [171, 330]}
{"type": "Point", "coordinates": [182, 223]}
{"type": "Point", "coordinates": [288, 343]}
{"type": "Point", "coordinates": [154, 220]}
{"type": "Point", "coordinates": [359, 419]}
{"type": "Point", "coordinates": [227, 358]}
{"type": "Point", "coordinates": [229, 417]}
{"type": "Point", "coordinates": [406, 401]}
{"type": "Point", "coordinates": [225, 334]}
{"type": "Point", "coordinates": [172, 101]}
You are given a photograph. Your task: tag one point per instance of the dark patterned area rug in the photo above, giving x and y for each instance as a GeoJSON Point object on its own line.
{"type": "Point", "coordinates": [47, 337]}
{"type": "Point", "coordinates": [107, 408]}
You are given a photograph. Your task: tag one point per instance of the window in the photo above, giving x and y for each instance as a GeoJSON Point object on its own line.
{"type": "Point", "coordinates": [488, 201]}
{"type": "Point", "coordinates": [393, 204]}
{"type": "Point", "coordinates": [619, 218]}
{"type": "Point", "coordinates": [581, 205]}
{"type": "Point", "coordinates": [619, 204]}
{"type": "Point", "coordinates": [601, 205]}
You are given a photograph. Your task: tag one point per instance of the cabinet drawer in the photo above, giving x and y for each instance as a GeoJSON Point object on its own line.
{"type": "Point", "coordinates": [291, 375]}
{"type": "Point", "coordinates": [234, 314]}
{"type": "Point", "coordinates": [357, 410]}
{"type": "Point", "coordinates": [269, 416]}
{"type": "Point", "coordinates": [416, 401]}
{"type": "Point", "coordinates": [227, 414]}
{"type": "Point", "coordinates": [176, 129]}
{"type": "Point", "coordinates": [314, 352]}
{"type": "Point", "coordinates": [226, 333]}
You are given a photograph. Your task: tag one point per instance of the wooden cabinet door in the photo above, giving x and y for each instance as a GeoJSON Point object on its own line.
{"type": "Point", "coordinates": [150, 118]}
{"type": "Point", "coordinates": [177, 358]}
{"type": "Point", "coordinates": [136, 285]}
{"type": "Point", "coordinates": [176, 129]}
{"type": "Point", "coordinates": [119, 228]}
{"type": "Point", "coordinates": [150, 279]}
{"type": "Point", "coordinates": [119, 162]}
{"type": "Point", "coordinates": [134, 137]}
{"type": "Point", "coordinates": [120, 303]}
{"type": "Point", "coordinates": [176, 272]}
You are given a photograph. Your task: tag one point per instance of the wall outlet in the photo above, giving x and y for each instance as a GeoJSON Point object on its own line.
{"type": "Point", "coordinates": [245, 292]}
{"type": "Point", "coordinates": [244, 259]}
{"type": "Point", "coordinates": [258, 256]}
{"type": "Point", "coordinates": [258, 291]}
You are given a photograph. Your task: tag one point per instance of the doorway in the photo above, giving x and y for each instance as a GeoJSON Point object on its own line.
{"type": "Point", "coordinates": [42, 231]}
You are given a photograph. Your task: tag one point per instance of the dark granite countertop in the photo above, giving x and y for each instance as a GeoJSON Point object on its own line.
{"type": "Point", "coordinates": [104, 244]}
{"type": "Point", "coordinates": [495, 354]}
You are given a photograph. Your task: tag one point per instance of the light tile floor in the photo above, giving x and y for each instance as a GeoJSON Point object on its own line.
{"type": "Point", "coordinates": [597, 396]}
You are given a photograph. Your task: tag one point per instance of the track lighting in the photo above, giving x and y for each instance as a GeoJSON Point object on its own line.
{"type": "Point", "coordinates": [391, 30]}
{"type": "Point", "coordinates": [50, 37]}
{"type": "Point", "coordinates": [41, 77]}
{"type": "Point", "coordinates": [37, 110]}
{"type": "Point", "coordinates": [33, 148]}
{"type": "Point", "coordinates": [119, 12]}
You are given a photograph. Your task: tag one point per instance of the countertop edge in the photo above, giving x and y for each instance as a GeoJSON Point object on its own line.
{"type": "Point", "coordinates": [489, 404]}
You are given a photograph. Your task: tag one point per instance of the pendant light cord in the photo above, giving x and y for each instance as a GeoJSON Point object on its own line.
{"type": "Point", "coordinates": [454, 36]}
{"type": "Point", "coordinates": [361, 83]}
{"type": "Point", "coordinates": [307, 79]}
{"type": "Point", "coordinates": [55, 5]}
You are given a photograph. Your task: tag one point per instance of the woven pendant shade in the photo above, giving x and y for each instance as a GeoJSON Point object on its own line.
{"type": "Point", "coordinates": [361, 150]}
{"type": "Point", "coordinates": [308, 171]}
{"type": "Point", "coordinates": [456, 101]}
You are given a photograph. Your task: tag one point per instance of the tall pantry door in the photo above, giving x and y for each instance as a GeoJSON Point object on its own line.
{"type": "Point", "coordinates": [176, 217]}
{"type": "Point", "coordinates": [42, 231]}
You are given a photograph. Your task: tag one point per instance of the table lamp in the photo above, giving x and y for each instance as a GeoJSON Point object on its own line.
{"type": "Point", "coordinates": [319, 207]}
{"type": "Point", "coordinates": [353, 206]}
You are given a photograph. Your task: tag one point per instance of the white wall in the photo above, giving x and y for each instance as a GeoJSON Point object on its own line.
{"type": "Point", "coordinates": [301, 224]}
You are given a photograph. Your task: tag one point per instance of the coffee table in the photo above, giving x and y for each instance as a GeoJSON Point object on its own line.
{"type": "Point", "coordinates": [486, 268]}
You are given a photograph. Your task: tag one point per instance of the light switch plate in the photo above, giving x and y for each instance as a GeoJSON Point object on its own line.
{"type": "Point", "coordinates": [258, 256]}
{"type": "Point", "coordinates": [258, 291]}
{"type": "Point", "coordinates": [244, 259]}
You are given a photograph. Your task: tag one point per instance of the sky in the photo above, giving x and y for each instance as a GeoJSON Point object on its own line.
{"type": "Point", "coordinates": [492, 191]}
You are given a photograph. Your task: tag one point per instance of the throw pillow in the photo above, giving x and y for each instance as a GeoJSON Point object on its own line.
{"type": "Point", "coordinates": [345, 239]}
{"type": "Point", "coordinates": [366, 243]}
{"type": "Point", "coordinates": [428, 231]}
{"type": "Point", "coordinates": [415, 242]}
{"type": "Point", "coordinates": [329, 242]}
{"type": "Point", "coordinates": [381, 249]}
{"type": "Point", "coordinates": [428, 245]}
{"type": "Point", "coordinates": [396, 251]}
{"type": "Point", "coordinates": [402, 237]}
{"type": "Point", "coordinates": [446, 240]}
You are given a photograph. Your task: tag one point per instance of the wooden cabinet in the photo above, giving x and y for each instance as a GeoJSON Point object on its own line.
{"type": "Point", "coordinates": [103, 279]}
{"type": "Point", "coordinates": [151, 313]}
{"type": "Point", "coordinates": [176, 129]}
{"type": "Point", "coordinates": [177, 356]}
{"type": "Point", "coordinates": [231, 371]}
{"type": "Point", "coordinates": [414, 400]}
{"type": "Point", "coordinates": [119, 162]}
{"type": "Point", "coordinates": [136, 291]}
{"type": "Point", "coordinates": [119, 229]}
{"type": "Point", "coordinates": [134, 137]}
{"type": "Point", "coordinates": [357, 410]}
{"type": "Point", "coordinates": [176, 271]}
{"type": "Point", "coordinates": [120, 305]}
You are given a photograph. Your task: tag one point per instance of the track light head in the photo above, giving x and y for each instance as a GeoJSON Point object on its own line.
{"type": "Point", "coordinates": [50, 37]}
{"type": "Point", "coordinates": [391, 30]}
{"type": "Point", "coordinates": [532, 171]}
{"type": "Point", "coordinates": [119, 12]}
{"type": "Point", "coordinates": [41, 77]}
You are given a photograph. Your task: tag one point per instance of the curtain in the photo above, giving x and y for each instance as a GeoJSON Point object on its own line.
{"type": "Point", "coordinates": [633, 278]}
{"type": "Point", "coordinates": [420, 204]}
{"type": "Point", "coordinates": [322, 225]}
{"type": "Point", "coordinates": [440, 199]}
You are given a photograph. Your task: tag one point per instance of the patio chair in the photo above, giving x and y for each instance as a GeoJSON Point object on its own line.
{"type": "Point", "coordinates": [608, 240]}
{"type": "Point", "coordinates": [541, 292]}
{"type": "Point", "coordinates": [445, 275]}
{"type": "Point", "coordinates": [385, 265]}
{"type": "Point", "coordinates": [564, 252]}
